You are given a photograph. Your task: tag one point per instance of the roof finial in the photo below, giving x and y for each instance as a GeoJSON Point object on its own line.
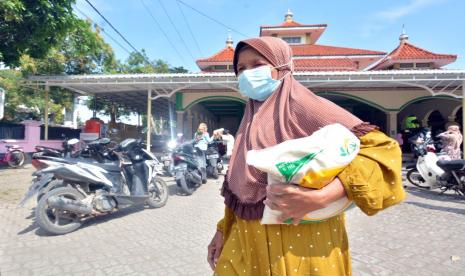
{"type": "Point", "coordinates": [403, 37]}
{"type": "Point", "coordinates": [289, 16]}
{"type": "Point", "coordinates": [229, 41]}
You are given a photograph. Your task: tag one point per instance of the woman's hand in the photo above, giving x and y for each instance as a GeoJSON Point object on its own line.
{"type": "Point", "coordinates": [295, 201]}
{"type": "Point", "coordinates": [214, 249]}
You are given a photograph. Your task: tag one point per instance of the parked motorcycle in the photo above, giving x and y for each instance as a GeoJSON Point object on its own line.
{"type": "Point", "coordinates": [166, 158]}
{"type": "Point", "coordinates": [214, 160]}
{"type": "Point", "coordinates": [14, 156]}
{"type": "Point", "coordinates": [66, 151]}
{"type": "Point", "coordinates": [187, 171]}
{"type": "Point", "coordinates": [433, 171]}
{"type": "Point", "coordinates": [83, 190]}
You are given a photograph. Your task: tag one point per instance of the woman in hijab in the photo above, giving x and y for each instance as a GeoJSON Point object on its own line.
{"type": "Point", "coordinates": [279, 109]}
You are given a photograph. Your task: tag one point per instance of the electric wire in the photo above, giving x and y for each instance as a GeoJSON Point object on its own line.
{"type": "Point", "coordinates": [189, 28]}
{"type": "Point", "coordinates": [212, 19]}
{"type": "Point", "coordinates": [176, 29]}
{"type": "Point", "coordinates": [111, 25]}
{"type": "Point", "coordinates": [103, 30]}
{"type": "Point", "coordinates": [162, 31]}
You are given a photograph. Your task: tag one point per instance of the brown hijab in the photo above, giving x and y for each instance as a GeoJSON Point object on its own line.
{"type": "Point", "coordinates": [291, 112]}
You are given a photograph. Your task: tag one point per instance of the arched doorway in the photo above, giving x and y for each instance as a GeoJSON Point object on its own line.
{"type": "Point", "coordinates": [436, 122]}
{"type": "Point", "coordinates": [217, 112]}
{"type": "Point", "coordinates": [367, 112]}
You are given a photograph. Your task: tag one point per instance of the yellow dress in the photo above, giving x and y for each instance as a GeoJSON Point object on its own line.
{"type": "Point", "coordinates": [372, 180]}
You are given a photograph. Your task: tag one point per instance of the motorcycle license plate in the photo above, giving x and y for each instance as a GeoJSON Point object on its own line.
{"type": "Point", "coordinates": [213, 156]}
{"type": "Point", "coordinates": [167, 163]}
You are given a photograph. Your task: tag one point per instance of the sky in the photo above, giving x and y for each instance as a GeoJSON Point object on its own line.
{"type": "Point", "coordinates": [171, 31]}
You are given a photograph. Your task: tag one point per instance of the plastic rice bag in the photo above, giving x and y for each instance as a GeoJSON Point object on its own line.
{"type": "Point", "coordinates": [311, 162]}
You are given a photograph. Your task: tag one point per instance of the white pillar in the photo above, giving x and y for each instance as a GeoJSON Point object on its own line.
{"type": "Point", "coordinates": [391, 123]}
{"type": "Point", "coordinates": [180, 122]}
{"type": "Point", "coordinates": [149, 118]}
{"type": "Point", "coordinates": [463, 114]}
{"type": "Point", "coordinates": [47, 89]}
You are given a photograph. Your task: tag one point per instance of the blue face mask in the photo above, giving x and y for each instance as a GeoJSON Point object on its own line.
{"type": "Point", "coordinates": [257, 83]}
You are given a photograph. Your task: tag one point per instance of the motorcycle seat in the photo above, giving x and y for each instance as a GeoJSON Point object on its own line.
{"type": "Point", "coordinates": [42, 148]}
{"type": "Point", "coordinates": [452, 165]}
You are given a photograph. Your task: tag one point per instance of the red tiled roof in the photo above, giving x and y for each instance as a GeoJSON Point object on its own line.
{"type": "Point", "coordinates": [294, 24]}
{"type": "Point", "coordinates": [325, 64]}
{"type": "Point", "coordinates": [323, 50]}
{"type": "Point", "coordinates": [407, 51]}
{"type": "Point", "coordinates": [225, 55]}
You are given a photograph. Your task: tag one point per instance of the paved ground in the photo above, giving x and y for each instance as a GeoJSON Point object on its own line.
{"type": "Point", "coordinates": [425, 235]}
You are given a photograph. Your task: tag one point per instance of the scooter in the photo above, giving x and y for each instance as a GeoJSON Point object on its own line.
{"type": "Point", "coordinates": [214, 160]}
{"type": "Point", "coordinates": [83, 190]}
{"type": "Point", "coordinates": [66, 151]}
{"type": "Point", "coordinates": [433, 171]}
{"type": "Point", "coordinates": [187, 171]}
{"type": "Point", "coordinates": [14, 156]}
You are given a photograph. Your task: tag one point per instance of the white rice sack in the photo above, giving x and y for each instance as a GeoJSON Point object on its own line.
{"type": "Point", "coordinates": [311, 162]}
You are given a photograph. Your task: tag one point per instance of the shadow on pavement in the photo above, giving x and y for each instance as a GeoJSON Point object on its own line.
{"type": "Point", "coordinates": [88, 222]}
{"type": "Point", "coordinates": [438, 208]}
{"type": "Point", "coordinates": [435, 195]}
{"type": "Point", "coordinates": [33, 224]}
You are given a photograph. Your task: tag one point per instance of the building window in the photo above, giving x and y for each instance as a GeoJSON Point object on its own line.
{"type": "Point", "coordinates": [293, 39]}
{"type": "Point", "coordinates": [406, 66]}
{"type": "Point", "coordinates": [220, 67]}
{"type": "Point", "coordinates": [423, 65]}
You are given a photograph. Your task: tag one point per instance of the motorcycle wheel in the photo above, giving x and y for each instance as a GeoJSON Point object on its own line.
{"type": "Point", "coordinates": [158, 191]}
{"type": "Point", "coordinates": [17, 159]}
{"type": "Point", "coordinates": [416, 179]}
{"type": "Point", "coordinates": [56, 183]}
{"type": "Point", "coordinates": [54, 221]}
{"type": "Point", "coordinates": [182, 183]}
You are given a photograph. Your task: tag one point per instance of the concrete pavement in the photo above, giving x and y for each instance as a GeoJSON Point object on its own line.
{"type": "Point", "coordinates": [425, 235]}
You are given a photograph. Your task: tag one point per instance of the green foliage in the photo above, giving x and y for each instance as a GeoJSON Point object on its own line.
{"type": "Point", "coordinates": [139, 63]}
{"type": "Point", "coordinates": [43, 37]}
{"type": "Point", "coordinates": [24, 102]}
{"type": "Point", "coordinates": [32, 27]}
{"type": "Point", "coordinates": [82, 51]}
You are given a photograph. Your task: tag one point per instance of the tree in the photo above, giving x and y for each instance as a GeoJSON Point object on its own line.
{"type": "Point", "coordinates": [32, 27]}
{"type": "Point", "coordinates": [178, 69]}
{"type": "Point", "coordinates": [82, 51]}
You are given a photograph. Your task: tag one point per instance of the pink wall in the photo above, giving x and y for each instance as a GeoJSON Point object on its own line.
{"type": "Point", "coordinates": [31, 138]}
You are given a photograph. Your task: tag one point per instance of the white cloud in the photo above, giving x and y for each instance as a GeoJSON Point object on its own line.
{"type": "Point", "coordinates": [383, 19]}
{"type": "Point", "coordinates": [396, 13]}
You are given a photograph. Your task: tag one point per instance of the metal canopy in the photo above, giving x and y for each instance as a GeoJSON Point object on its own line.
{"type": "Point", "coordinates": [131, 89]}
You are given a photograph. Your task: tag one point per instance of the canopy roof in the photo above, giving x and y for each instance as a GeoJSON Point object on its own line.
{"type": "Point", "coordinates": [131, 89]}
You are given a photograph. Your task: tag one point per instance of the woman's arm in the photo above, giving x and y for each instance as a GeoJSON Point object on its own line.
{"type": "Point", "coordinates": [295, 202]}
{"type": "Point", "coordinates": [372, 180]}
